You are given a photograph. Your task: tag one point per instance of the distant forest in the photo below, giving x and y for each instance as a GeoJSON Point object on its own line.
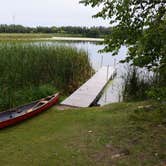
{"type": "Point", "coordinates": [82, 31]}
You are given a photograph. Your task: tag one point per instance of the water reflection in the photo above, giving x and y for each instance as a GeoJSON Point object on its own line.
{"type": "Point", "coordinates": [113, 90]}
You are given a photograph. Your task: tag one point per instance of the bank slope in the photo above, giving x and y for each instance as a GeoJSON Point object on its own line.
{"type": "Point", "coordinates": [117, 134]}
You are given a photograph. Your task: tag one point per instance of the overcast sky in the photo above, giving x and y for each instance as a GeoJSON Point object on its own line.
{"type": "Point", "coordinates": [48, 13]}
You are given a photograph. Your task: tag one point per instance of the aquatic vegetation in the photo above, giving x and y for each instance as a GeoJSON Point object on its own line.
{"type": "Point", "coordinates": [29, 65]}
{"type": "Point", "coordinates": [142, 84]}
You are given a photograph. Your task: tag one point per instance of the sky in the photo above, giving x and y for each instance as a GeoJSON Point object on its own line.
{"type": "Point", "coordinates": [48, 13]}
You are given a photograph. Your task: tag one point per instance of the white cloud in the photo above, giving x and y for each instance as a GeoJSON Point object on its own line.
{"type": "Point", "coordinates": [48, 13]}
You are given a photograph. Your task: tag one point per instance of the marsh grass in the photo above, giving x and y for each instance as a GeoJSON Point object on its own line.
{"type": "Point", "coordinates": [29, 66]}
{"type": "Point", "coordinates": [32, 36]}
{"type": "Point", "coordinates": [137, 83]}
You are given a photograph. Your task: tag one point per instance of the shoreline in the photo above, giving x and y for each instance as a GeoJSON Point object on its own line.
{"type": "Point", "coordinates": [72, 39]}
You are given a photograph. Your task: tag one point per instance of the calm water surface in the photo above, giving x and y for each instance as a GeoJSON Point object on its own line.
{"type": "Point", "coordinates": [113, 91]}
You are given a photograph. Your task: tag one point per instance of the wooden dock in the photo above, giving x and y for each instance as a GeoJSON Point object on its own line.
{"type": "Point", "coordinates": [90, 92]}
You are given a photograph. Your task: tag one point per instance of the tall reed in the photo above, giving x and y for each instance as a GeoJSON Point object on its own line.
{"type": "Point", "coordinates": [137, 83]}
{"type": "Point", "coordinates": [30, 65]}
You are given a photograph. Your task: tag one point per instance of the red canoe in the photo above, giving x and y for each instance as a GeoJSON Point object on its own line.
{"type": "Point", "coordinates": [21, 113]}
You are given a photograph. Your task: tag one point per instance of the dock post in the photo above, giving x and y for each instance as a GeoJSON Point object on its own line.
{"type": "Point", "coordinates": [107, 72]}
{"type": "Point", "coordinates": [101, 64]}
{"type": "Point", "coordinates": [91, 91]}
{"type": "Point", "coordinates": [114, 63]}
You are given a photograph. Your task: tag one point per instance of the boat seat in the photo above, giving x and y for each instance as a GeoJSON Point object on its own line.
{"type": "Point", "coordinates": [37, 105]}
{"type": "Point", "coordinates": [30, 110]}
{"type": "Point", "coordinates": [44, 102]}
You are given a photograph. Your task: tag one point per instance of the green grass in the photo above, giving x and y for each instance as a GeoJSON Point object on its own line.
{"type": "Point", "coordinates": [26, 66]}
{"type": "Point", "coordinates": [143, 85]}
{"type": "Point", "coordinates": [32, 36]}
{"type": "Point", "coordinates": [124, 134]}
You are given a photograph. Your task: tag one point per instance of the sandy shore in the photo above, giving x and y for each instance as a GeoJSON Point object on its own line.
{"type": "Point", "coordinates": [73, 39]}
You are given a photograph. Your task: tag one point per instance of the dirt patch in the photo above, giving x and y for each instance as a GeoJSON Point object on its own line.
{"type": "Point", "coordinates": [110, 153]}
{"type": "Point", "coordinates": [64, 107]}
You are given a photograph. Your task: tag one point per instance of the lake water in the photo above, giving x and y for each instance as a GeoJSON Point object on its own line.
{"type": "Point", "coordinates": [113, 91]}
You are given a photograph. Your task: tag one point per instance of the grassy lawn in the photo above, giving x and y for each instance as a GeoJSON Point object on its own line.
{"type": "Point", "coordinates": [127, 134]}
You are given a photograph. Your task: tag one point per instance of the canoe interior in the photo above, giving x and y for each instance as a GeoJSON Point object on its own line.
{"type": "Point", "coordinates": [19, 111]}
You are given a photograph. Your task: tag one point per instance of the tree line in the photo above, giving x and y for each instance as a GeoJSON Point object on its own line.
{"type": "Point", "coordinates": [82, 31]}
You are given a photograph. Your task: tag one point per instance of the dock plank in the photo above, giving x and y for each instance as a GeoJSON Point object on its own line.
{"type": "Point", "coordinates": [89, 91]}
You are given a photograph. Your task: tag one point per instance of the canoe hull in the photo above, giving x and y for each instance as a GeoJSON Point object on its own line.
{"type": "Point", "coordinates": [21, 118]}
